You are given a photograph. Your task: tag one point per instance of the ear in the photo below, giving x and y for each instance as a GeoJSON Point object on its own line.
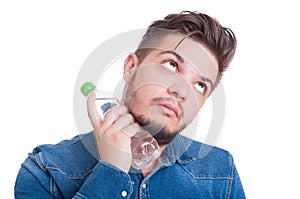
{"type": "Point", "coordinates": [130, 63]}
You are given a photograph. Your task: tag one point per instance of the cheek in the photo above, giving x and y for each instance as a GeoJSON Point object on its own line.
{"type": "Point", "coordinates": [190, 112]}
{"type": "Point", "coordinates": [192, 106]}
{"type": "Point", "coordinates": [141, 97]}
{"type": "Point", "coordinates": [148, 92]}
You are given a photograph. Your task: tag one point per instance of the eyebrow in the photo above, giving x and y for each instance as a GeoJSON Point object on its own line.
{"type": "Point", "coordinates": [173, 53]}
{"type": "Point", "coordinates": [180, 59]}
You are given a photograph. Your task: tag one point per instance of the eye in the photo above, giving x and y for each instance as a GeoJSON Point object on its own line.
{"type": "Point", "coordinates": [170, 65]}
{"type": "Point", "coordinates": [200, 87]}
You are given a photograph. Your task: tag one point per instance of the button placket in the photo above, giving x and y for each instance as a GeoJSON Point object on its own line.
{"type": "Point", "coordinates": [144, 190]}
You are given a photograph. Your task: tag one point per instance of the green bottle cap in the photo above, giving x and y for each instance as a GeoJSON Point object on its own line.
{"type": "Point", "coordinates": [87, 88]}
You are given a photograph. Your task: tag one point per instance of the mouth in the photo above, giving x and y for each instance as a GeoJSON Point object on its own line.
{"type": "Point", "coordinates": [170, 110]}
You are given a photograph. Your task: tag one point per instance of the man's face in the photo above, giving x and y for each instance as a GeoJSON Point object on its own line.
{"type": "Point", "coordinates": [167, 89]}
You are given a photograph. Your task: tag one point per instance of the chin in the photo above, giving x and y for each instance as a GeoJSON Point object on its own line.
{"type": "Point", "coordinates": [163, 134]}
{"type": "Point", "coordinates": [165, 137]}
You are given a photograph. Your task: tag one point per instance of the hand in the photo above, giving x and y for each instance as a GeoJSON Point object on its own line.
{"type": "Point", "coordinates": [113, 134]}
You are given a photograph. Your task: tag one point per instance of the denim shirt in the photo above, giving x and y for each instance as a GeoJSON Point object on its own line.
{"type": "Point", "coordinates": [69, 170]}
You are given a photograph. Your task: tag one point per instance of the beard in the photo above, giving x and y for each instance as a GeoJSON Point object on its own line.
{"type": "Point", "coordinates": [161, 133]}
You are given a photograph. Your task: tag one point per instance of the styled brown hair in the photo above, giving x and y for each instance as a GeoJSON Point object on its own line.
{"type": "Point", "coordinates": [220, 41]}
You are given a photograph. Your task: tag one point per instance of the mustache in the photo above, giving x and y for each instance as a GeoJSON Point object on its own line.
{"type": "Point", "coordinates": [174, 101]}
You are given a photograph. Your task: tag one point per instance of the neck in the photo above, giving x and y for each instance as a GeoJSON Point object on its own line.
{"type": "Point", "coordinates": [147, 170]}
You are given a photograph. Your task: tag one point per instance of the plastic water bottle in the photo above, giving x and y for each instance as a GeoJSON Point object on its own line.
{"type": "Point", "coordinates": [104, 100]}
{"type": "Point", "coordinates": [143, 146]}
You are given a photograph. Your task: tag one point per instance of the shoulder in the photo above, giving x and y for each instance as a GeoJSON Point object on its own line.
{"type": "Point", "coordinates": [73, 157]}
{"type": "Point", "coordinates": [208, 159]}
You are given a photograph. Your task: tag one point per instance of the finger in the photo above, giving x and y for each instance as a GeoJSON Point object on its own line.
{"type": "Point", "coordinates": [124, 120]}
{"type": "Point", "coordinates": [132, 129]}
{"type": "Point", "coordinates": [119, 125]}
{"type": "Point", "coordinates": [117, 134]}
{"type": "Point", "coordinates": [92, 111]}
{"type": "Point", "coordinates": [112, 115]}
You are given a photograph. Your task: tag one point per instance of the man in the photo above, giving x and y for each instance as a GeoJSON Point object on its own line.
{"type": "Point", "coordinates": [177, 65]}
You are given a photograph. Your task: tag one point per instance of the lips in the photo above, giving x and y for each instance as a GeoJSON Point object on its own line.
{"type": "Point", "coordinates": [170, 109]}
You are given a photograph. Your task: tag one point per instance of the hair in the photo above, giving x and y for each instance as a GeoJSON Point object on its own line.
{"type": "Point", "coordinates": [220, 41]}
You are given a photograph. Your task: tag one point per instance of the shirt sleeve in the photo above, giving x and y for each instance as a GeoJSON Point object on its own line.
{"type": "Point", "coordinates": [33, 182]}
{"type": "Point", "coordinates": [105, 181]}
{"type": "Point", "coordinates": [237, 191]}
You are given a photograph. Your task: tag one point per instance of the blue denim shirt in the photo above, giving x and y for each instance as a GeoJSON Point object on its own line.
{"type": "Point", "coordinates": [68, 170]}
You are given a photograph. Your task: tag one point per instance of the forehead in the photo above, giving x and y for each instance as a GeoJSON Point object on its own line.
{"type": "Point", "coordinates": [191, 51]}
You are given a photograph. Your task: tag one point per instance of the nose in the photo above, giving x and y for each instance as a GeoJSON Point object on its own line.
{"type": "Point", "coordinates": [179, 90]}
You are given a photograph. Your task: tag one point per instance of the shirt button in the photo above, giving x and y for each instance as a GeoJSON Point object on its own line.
{"type": "Point", "coordinates": [144, 186]}
{"type": "Point", "coordinates": [124, 194]}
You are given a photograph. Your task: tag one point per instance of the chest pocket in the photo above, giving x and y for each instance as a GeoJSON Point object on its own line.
{"type": "Point", "coordinates": [186, 181]}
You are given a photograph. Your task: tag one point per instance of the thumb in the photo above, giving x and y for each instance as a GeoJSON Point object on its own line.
{"type": "Point", "coordinates": [92, 111]}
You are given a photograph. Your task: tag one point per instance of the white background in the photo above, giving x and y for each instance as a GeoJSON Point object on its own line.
{"type": "Point", "coordinates": [44, 44]}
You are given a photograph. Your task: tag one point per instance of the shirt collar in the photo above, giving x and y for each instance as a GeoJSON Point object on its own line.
{"type": "Point", "coordinates": [177, 151]}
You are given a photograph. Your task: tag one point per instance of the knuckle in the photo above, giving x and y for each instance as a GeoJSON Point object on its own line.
{"type": "Point", "coordinates": [127, 131]}
{"type": "Point", "coordinates": [136, 126]}
{"type": "Point", "coordinates": [130, 118]}
{"type": "Point", "coordinates": [117, 137]}
{"type": "Point", "coordinates": [108, 133]}
{"type": "Point", "coordinates": [119, 124]}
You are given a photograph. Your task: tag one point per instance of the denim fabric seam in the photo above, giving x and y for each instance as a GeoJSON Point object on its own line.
{"type": "Point", "coordinates": [28, 169]}
{"type": "Point", "coordinates": [52, 187]}
{"type": "Point", "coordinates": [71, 177]}
{"type": "Point", "coordinates": [230, 181]}
{"type": "Point", "coordinates": [39, 161]}
{"type": "Point", "coordinates": [185, 161]}
{"type": "Point", "coordinates": [205, 177]}
{"type": "Point", "coordinates": [78, 196]}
